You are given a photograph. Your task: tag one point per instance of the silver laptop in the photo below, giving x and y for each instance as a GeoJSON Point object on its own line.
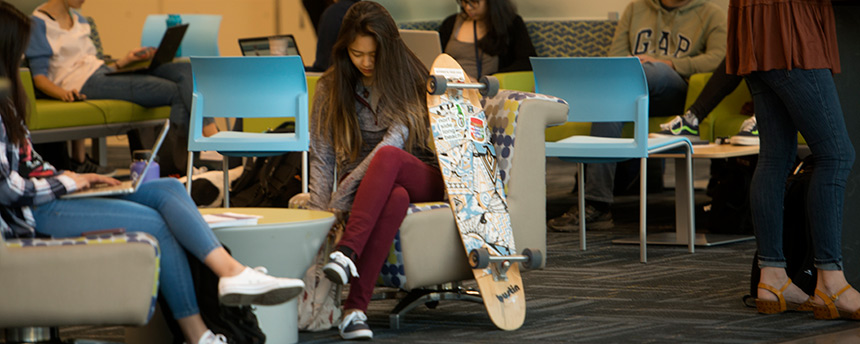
{"type": "Point", "coordinates": [424, 43]}
{"type": "Point", "coordinates": [126, 187]}
{"type": "Point", "coordinates": [277, 45]}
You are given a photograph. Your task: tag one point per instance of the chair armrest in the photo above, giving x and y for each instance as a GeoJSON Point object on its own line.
{"type": "Point", "coordinates": [518, 120]}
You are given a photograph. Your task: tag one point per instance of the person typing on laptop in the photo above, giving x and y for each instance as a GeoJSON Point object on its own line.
{"type": "Point", "coordinates": [30, 190]}
{"type": "Point", "coordinates": [65, 66]}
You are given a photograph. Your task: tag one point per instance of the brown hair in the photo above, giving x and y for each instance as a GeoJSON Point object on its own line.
{"type": "Point", "coordinates": [14, 36]}
{"type": "Point", "coordinates": [398, 76]}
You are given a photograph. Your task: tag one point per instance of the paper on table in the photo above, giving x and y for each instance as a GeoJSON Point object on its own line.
{"type": "Point", "coordinates": [230, 220]}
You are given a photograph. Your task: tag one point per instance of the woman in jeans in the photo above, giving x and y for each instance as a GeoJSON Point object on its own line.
{"type": "Point", "coordinates": [64, 65]}
{"type": "Point", "coordinates": [370, 121]}
{"type": "Point", "coordinates": [789, 72]}
{"type": "Point", "coordinates": [30, 191]}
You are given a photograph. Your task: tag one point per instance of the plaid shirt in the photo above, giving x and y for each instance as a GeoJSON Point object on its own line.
{"type": "Point", "coordinates": [25, 181]}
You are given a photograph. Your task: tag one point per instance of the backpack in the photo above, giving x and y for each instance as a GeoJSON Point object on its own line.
{"type": "Point", "coordinates": [238, 324]}
{"type": "Point", "coordinates": [728, 212]}
{"type": "Point", "coordinates": [796, 235]}
{"type": "Point", "coordinates": [269, 181]}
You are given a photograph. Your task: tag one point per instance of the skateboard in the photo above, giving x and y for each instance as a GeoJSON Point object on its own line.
{"type": "Point", "coordinates": [476, 195]}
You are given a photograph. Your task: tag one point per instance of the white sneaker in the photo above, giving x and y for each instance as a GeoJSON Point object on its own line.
{"type": "Point", "coordinates": [748, 135]}
{"type": "Point", "coordinates": [340, 268]}
{"type": "Point", "coordinates": [255, 287]}
{"type": "Point", "coordinates": [211, 338]}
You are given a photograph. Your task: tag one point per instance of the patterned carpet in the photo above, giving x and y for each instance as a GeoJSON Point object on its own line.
{"type": "Point", "coordinates": [604, 295]}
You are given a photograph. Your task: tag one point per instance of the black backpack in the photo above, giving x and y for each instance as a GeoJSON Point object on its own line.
{"type": "Point", "coordinates": [728, 212]}
{"type": "Point", "coordinates": [238, 324]}
{"type": "Point", "coordinates": [269, 181]}
{"type": "Point", "coordinates": [796, 235]}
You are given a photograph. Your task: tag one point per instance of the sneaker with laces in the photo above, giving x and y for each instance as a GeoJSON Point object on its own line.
{"type": "Point", "coordinates": [748, 136]}
{"type": "Point", "coordinates": [88, 166]}
{"type": "Point", "coordinates": [354, 326]}
{"type": "Point", "coordinates": [686, 125]}
{"type": "Point", "coordinates": [255, 287]}
{"type": "Point", "coordinates": [211, 338]}
{"type": "Point", "coordinates": [594, 219]}
{"type": "Point", "coordinates": [340, 268]}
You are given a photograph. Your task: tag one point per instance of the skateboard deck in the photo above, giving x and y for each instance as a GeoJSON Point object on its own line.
{"type": "Point", "coordinates": [475, 193]}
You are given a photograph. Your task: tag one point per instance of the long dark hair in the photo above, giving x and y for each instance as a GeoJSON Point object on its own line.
{"type": "Point", "coordinates": [398, 76]}
{"type": "Point", "coordinates": [500, 15]}
{"type": "Point", "coordinates": [14, 36]}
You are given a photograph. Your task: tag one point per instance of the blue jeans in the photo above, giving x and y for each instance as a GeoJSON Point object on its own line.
{"type": "Point", "coordinates": [169, 84]}
{"type": "Point", "coordinates": [787, 101]}
{"type": "Point", "coordinates": [161, 208]}
{"type": "Point", "coordinates": [667, 92]}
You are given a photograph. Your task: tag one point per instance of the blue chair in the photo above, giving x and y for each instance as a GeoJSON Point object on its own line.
{"type": "Point", "coordinates": [611, 89]}
{"type": "Point", "coordinates": [201, 39]}
{"type": "Point", "coordinates": [249, 87]}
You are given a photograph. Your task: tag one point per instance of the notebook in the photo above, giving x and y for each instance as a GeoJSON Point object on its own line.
{"type": "Point", "coordinates": [126, 187]}
{"type": "Point", "coordinates": [277, 45]}
{"type": "Point", "coordinates": [164, 54]}
{"type": "Point", "coordinates": [424, 43]}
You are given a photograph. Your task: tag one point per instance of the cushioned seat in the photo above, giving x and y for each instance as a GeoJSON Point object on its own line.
{"type": "Point", "coordinates": [109, 279]}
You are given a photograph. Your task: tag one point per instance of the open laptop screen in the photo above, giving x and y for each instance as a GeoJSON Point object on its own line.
{"type": "Point", "coordinates": [278, 45]}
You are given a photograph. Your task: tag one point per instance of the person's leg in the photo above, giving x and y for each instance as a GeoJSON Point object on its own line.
{"type": "Point", "coordinates": [600, 178]}
{"type": "Point", "coordinates": [144, 90]}
{"type": "Point", "coordinates": [180, 73]}
{"type": "Point", "coordinates": [776, 157]}
{"type": "Point", "coordinates": [390, 167]}
{"type": "Point", "coordinates": [667, 90]}
{"type": "Point", "coordinates": [718, 87]}
{"type": "Point", "coordinates": [812, 101]}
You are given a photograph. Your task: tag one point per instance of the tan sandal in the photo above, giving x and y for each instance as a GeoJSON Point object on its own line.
{"type": "Point", "coordinates": [780, 305]}
{"type": "Point", "coordinates": [829, 311]}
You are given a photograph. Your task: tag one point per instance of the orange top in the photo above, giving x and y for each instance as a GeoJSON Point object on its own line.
{"type": "Point", "coordinates": [781, 34]}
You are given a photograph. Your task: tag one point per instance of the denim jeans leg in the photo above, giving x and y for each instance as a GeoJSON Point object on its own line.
{"type": "Point", "coordinates": [667, 90]}
{"type": "Point", "coordinates": [142, 89]}
{"type": "Point", "coordinates": [777, 152]}
{"type": "Point", "coordinates": [813, 105]}
{"type": "Point", "coordinates": [68, 218]}
{"type": "Point", "coordinates": [600, 178]}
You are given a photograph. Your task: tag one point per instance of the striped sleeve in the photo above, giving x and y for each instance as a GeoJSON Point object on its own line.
{"type": "Point", "coordinates": [18, 191]}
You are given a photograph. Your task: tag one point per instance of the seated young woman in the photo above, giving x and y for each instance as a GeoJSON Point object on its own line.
{"type": "Point", "coordinates": [65, 66]}
{"type": "Point", "coordinates": [370, 123]}
{"type": "Point", "coordinates": [30, 191]}
{"type": "Point", "coordinates": [487, 37]}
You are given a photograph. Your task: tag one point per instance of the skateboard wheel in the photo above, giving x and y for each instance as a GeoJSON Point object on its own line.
{"type": "Point", "coordinates": [533, 258]}
{"type": "Point", "coordinates": [479, 258]}
{"type": "Point", "coordinates": [491, 86]}
{"type": "Point", "coordinates": [437, 85]}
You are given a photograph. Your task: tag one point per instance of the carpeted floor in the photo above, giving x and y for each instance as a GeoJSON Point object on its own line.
{"type": "Point", "coordinates": [604, 295]}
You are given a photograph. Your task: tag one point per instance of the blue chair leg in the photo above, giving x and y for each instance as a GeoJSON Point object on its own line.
{"type": "Point", "coordinates": [643, 202]}
{"type": "Point", "coordinates": [581, 181]}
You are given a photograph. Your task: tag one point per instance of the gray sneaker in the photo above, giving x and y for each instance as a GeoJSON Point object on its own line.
{"type": "Point", "coordinates": [569, 221]}
{"type": "Point", "coordinates": [354, 326]}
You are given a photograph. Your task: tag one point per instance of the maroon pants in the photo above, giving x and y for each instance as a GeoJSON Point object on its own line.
{"type": "Point", "coordinates": [394, 179]}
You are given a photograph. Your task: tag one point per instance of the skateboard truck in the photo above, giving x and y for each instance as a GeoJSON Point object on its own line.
{"type": "Point", "coordinates": [481, 258]}
{"type": "Point", "coordinates": [488, 86]}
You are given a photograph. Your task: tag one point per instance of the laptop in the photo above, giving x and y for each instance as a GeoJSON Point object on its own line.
{"type": "Point", "coordinates": [277, 45]}
{"type": "Point", "coordinates": [424, 43]}
{"type": "Point", "coordinates": [164, 54]}
{"type": "Point", "coordinates": [126, 187]}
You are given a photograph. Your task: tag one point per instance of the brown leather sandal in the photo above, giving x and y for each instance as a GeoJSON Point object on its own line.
{"type": "Point", "coordinates": [829, 311]}
{"type": "Point", "coordinates": [780, 305]}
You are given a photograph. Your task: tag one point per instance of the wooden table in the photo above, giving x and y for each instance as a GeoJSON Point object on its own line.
{"type": "Point", "coordinates": [682, 231]}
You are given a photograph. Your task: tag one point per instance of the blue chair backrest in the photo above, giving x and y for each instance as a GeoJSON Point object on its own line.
{"type": "Point", "coordinates": [598, 89]}
{"type": "Point", "coordinates": [251, 87]}
{"type": "Point", "coordinates": [201, 39]}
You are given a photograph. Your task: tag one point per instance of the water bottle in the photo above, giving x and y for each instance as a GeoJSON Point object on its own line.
{"type": "Point", "coordinates": [173, 20]}
{"type": "Point", "coordinates": [139, 159]}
